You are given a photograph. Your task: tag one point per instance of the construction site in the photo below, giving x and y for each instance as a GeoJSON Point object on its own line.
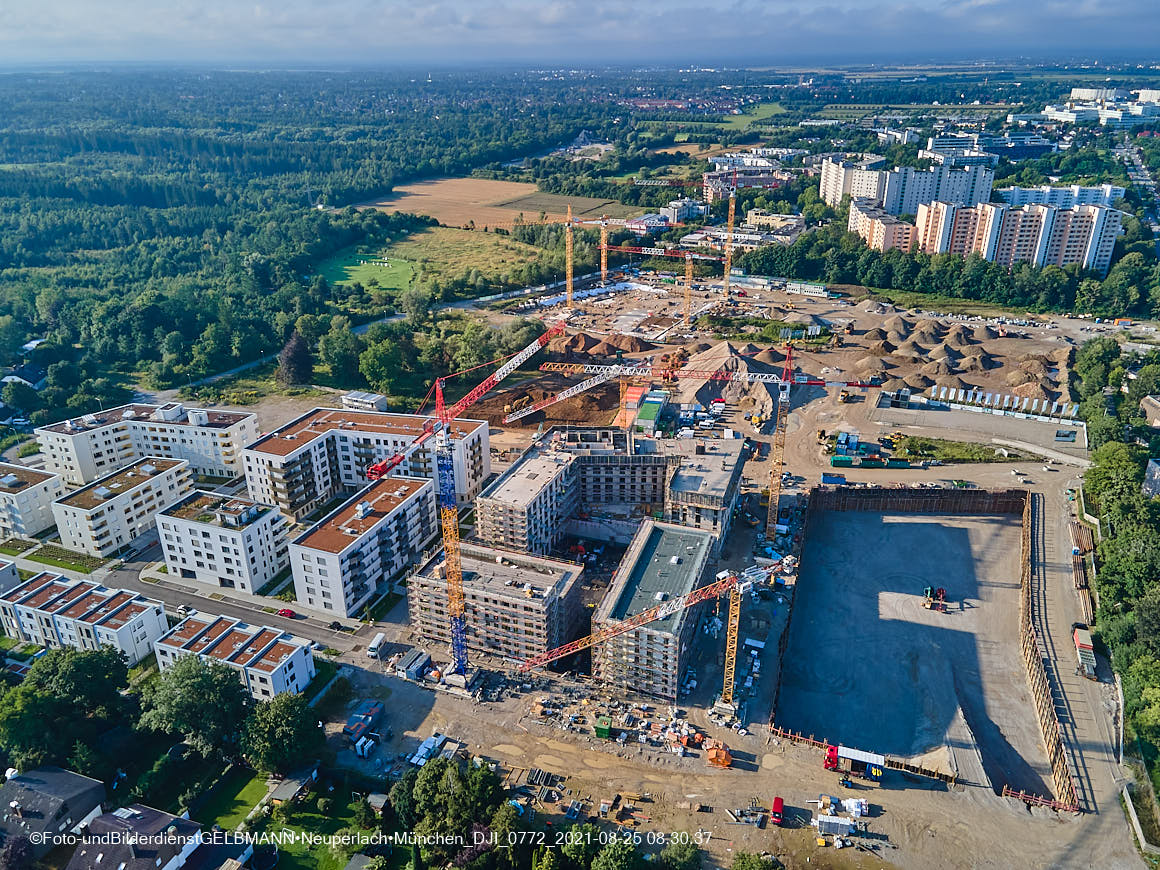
{"type": "Point", "coordinates": [663, 578]}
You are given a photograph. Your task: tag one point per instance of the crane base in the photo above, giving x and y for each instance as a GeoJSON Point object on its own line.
{"type": "Point", "coordinates": [725, 708]}
{"type": "Point", "coordinates": [463, 681]}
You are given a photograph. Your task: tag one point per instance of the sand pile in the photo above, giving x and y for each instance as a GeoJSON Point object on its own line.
{"type": "Point", "coordinates": [1032, 391]}
{"type": "Point", "coordinates": [897, 337]}
{"type": "Point", "coordinates": [769, 356]}
{"type": "Point", "coordinates": [894, 384]}
{"type": "Point", "coordinates": [938, 367]}
{"type": "Point", "coordinates": [882, 348]}
{"type": "Point", "coordinates": [581, 342]}
{"type": "Point", "coordinates": [958, 337]}
{"type": "Point", "coordinates": [928, 330]}
{"type": "Point", "coordinates": [951, 382]}
{"type": "Point", "coordinates": [1016, 378]}
{"type": "Point", "coordinates": [917, 381]}
{"type": "Point", "coordinates": [977, 362]}
{"type": "Point", "coordinates": [749, 349]}
{"type": "Point", "coordinates": [872, 307]}
{"type": "Point", "coordinates": [900, 325]}
{"type": "Point", "coordinates": [941, 351]}
{"type": "Point", "coordinates": [875, 334]}
{"type": "Point", "coordinates": [871, 365]}
{"type": "Point", "coordinates": [1035, 367]}
{"type": "Point", "coordinates": [984, 333]}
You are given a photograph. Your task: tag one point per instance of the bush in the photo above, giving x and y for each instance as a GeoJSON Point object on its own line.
{"type": "Point", "coordinates": [325, 805]}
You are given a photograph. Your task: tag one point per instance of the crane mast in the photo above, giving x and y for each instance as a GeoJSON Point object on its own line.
{"type": "Point", "coordinates": [729, 232]}
{"type": "Point", "coordinates": [568, 255]}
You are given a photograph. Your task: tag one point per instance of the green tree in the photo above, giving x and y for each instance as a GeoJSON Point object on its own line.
{"type": "Point", "coordinates": [89, 680]}
{"type": "Point", "coordinates": [22, 396]}
{"type": "Point", "coordinates": [86, 760]}
{"type": "Point", "coordinates": [402, 799]}
{"type": "Point", "coordinates": [364, 814]}
{"type": "Point", "coordinates": [30, 724]}
{"type": "Point", "coordinates": [617, 855]}
{"type": "Point", "coordinates": [340, 349]}
{"type": "Point", "coordinates": [382, 365]}
{"type": "Point", "coordinates": [680, 856]}
{"type": "Point", "coordinates": [204, 702]}
{"type": "Point", "coordinates": [581, 847]}
{"type": "Point", "coordinates": [295, 362]}
{"type": "Point", "coordinates": [416, 304]}
{"type": "Point", "coordinates": [750, 861]}
{"type": "Point", "coordinates": [1117, 472]}
{"type": "Point", "coordinates": [310, 327]}
{"type": "Point", "coordinates": [282, 733]}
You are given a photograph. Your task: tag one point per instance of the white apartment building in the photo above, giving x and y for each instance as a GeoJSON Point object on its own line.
{"type": "Point", "coordinates": [1062, 197]}
{"type": "Point", "coordinates": [1042, 235]}
{"type": "Point", "coordinates": [880, 230]}
{"type": "Point", "coordinates": [903, 189]}
{"type": "Point", "coordinates": [224, 541]}
{"type": "Point", "coordinates": [26, 497]}
{"type": "Point", "coordinates": [57, 612]}
{"type": "Point", "coordinates": [325, 452]}
{"type": "Point", "coordinates": [9, 576]}
{"type": "Point", "coordinates": [268, 661]}
{"type": "Point", "coordinates": [680, 210]}
{"type": "Point", "coordinates": [84, 448]}
{"type": "Point", "coordinates": [340, 562]}
{"type": "Point", "coordinates": [112, 512]}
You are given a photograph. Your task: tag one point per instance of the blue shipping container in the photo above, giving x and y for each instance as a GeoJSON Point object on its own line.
{"type": "Point", "coordinates": [833, 478]}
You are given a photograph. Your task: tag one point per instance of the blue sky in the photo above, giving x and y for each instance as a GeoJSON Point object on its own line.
{"type": "Point", "coordinates": [669, 32]}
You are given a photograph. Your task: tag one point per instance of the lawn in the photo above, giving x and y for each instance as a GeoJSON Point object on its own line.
{"type": "Point", "coordinates": [325, 670]}
{"type": "Point", "coordinates": [442, 252]}
{"type": "Point", "coordinates": [15, 546]}
{"type": "Point", "coordinates": [913, 447]}
{"type": "Point", "coordinates": [363, 265]}
{"type": "Point", "coordinates": [383, 606]}
{"type": "Point", "coordinates": [7, 643]}
{"type": "Point", "coordinates": [309, 854]}
{"type": "Point", "coordinates": [233, 799]}
{"type": "Point", "coordinates": [247, 388]}
{"type": "Point", "coordinates": [763, 112]}
{"type": "Point", "coordinates": [59, 557]}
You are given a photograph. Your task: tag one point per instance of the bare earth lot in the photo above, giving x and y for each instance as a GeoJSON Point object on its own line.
{"type": "Point", "coordinates": [457, 201]}
{"type": "Point", "coordinates": [868, 666]}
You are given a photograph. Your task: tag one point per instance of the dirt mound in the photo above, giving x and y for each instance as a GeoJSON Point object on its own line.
{"type": "Point", "coordinates": [1035, 367]}
{"type": "Point", "coordinates": [873, 307]}
{"type": "Point", "coordinates": [938, 367]}
{"type": "Point", "coordinates": [749, 349]}
{"type": "Point", "coordinates": [1032, 391]}
{"type": "Point", "coordinates": [899, 324]}
{"type": "Point", "coordinates": [882, 348]}
{"type": "Point", "coordinates": [898, 337]}
{"type": "Point", "coordinates": [804, 319]}
{"type": "Point", "coordinates": [700, 347]}
{"type": "Point", "coordinates": [1016, 378]}
{"type": "Point", "coordinates": [630, 343]}
{"type": "Point", "coordinates": [912, 347]}
{"type": "Point", "coordinates": [984, 333]}
{"type": "Point", "coordinates": [894, 384]}
{"type": "Point", "coordinates": [581, 342]}
{"type": "Point", "coordinates": [918, 382]}
{"type": "Point", "coordinates": [979, 362]}
{"type": "Point", "coordinates": [1034, 357]}
{"type": "Point", "coordinates": [871, 364]}
{"type": "Point", "coordinates": [959, 336]}
{"type": "Point", "coordinates": [941, 351]}
{"type": "Point", "coordinates": [875, 334]}
{"type": "Point", "coordinates": [929, 330]}
{"type": "Point", "coordinates": [769, 357]}
{"type": "Point", "coordinates": [951, 382]}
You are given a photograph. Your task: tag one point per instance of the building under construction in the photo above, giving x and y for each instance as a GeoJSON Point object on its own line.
{"type": "Point", "coordinates": [517, 605]}
{"type": "Point", "coordinates": [580, 472]}
{"type": "Point", "coordinates": [663, 562]}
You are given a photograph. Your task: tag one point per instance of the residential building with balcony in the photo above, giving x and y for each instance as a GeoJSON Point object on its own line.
{"type": "Point", "coordinates": [26, 497]}
{"type": "Point", "coordinates": [223, 541]}
{"type": "Point", "coordinates": [345, 559]}
{"type": "Point", "coordinates": [112, 512]}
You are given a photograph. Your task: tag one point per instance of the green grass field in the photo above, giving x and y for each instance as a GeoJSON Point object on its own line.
{"type": "Point", "coordinates": [443, 252]}
{"type": "Point", "coordinates": [850, 111]}
{"type": "Point", "coordinates": [361, 265]}
{"type": "Point", "coordinates": [233, 799]}
{"type": "Point", "coordinates": [931, 302]}
{"type": "Point", "coordinates": [763, 112]}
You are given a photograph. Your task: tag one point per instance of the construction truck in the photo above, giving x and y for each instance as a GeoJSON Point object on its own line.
{"type": "Point", "coordinates": [844, 397]}
{"type": "Point", "coordinates": [1085, 651]}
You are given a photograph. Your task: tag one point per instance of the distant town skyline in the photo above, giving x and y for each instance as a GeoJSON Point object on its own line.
{"type": "Point", "coordinates": [458, 32]}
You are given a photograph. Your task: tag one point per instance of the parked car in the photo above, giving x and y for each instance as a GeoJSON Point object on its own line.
{"type": "Point", "coordinates": [288, 613]}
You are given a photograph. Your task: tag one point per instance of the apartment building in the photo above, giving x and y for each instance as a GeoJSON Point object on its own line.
{"type": "Point", "coordinates": [84, 448]}
{"type": "Point", "coordinates": [578, 468]}
{"type": "Point", "coordinates": [223, 541]}
{"type": "Point", "coordinates": [717, 184]}
{"type": "Point", "coordinates": [326, 452]}
{"type": "Point", "coordinates": [54, 611]}
{"type": "Point", "coordinates": [859, 179]}
{"type": "Point", "coordinates": [26, 497]}
{"type": "Point", "coordinates": [1042, 235]}
{"type": "Point", "coordinates": [680, 210]}
{"type": "Point", "coordinates": [901, 190]}
{"type": "Point", "coordinates": [112, 512]}
{"type": "Point", "coordinates": [268, 660]}
{"type": "Point", "coordinates": [879, 229]}
{"type": "Point", "coordinates": [663, 562]}
{"type": "Point", "coordinates": [1062, 197]}
{"type": "Point", "coordinates": [516, 605]}
{"type": "Point", "coordinates": [341, 562]}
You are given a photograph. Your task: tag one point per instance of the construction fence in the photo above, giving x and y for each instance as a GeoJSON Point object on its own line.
{"type": "Point", "coordinates": [961, 502]}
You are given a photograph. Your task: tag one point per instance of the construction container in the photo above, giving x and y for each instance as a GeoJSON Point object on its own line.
{"type": "Point", "coordinates": [833, 479]}
{"type": "Point", "coordinates": [868, 462]}
{"type": "Point", "coordinates": [1085, 651]}
{"type": "Point", "coordinates": [898, 463]}
{"type": "Point", "coordinates": [841, 461]}
{"type": "Point", "coordinates": [604, 727]}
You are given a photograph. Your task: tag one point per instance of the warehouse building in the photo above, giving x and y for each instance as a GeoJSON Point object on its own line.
{"type": "Point", "coordinates": [342, 562]}
{"type": "Point", "coordinates": [54, 611]}
{"type": "Point", "coordinates": [268, 661]}
{"type": "Point", "coordinates": [579, 469]}
{"type": "Point", "coordinates": [111, 513]}
{"type": "Point", "coordinates": [663, 562]}
{"type": "Point", "coordinates": [326, 452]}
{"type": "Point", "coordinates": [26, 497]}
{"type": "Point", "coordinates": [84, 448]}
{"type": "Point", "coordinates": [516, 605]}
{"type": "Point", "coordinates": [228, 542]}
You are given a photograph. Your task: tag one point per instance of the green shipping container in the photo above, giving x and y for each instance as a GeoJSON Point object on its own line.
{"type": "Point", "coordinates": [873, 463]}
{"type": "Point", "coordinates": [841, 461]}
{"type": "Point", "coordinates": [603, 727]}
{"type": "Point", "coordinates": [898, 463]}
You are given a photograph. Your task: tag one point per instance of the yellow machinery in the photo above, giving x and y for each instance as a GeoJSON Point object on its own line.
{"type": "Point", "coordinates": [688, 286]}
{"type": "Point", "coordinates": [568, 254]}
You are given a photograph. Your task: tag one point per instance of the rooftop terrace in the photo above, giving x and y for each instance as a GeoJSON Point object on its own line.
{"type": "Point", "coordinates": [361, 513]}
{"type": "Point", "coordinates": [214, 509]}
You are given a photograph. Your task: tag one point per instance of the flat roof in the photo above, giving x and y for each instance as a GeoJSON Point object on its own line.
{"type": "Point", "coordinates": [256, 644]}
{"type": "Point", "coordinates": [317, 423]}
{"type": "Point", "coordinates": [118, 483]}
{"type": "Point", "coordinates": [209, 508]}
{"type": "Point", "coordinates": [528, 475]}
{"type": "Point", "coordinates": [274, 656]}
{"type": "Point", "coordinates": [79, 601]}
{"type": "Point", "coordinates": [343, 526]}
{"type": "Point", "coordinates": [46, 592]}
{"type": "Point", "coordinates": [708, 473]}
{"type": "Point", "coordinates": [663, 562]}
{"type": "Point", "coordinates": [129, 612]}
{"type": "Point", "coordinates": [184, 631]}
{"type": "Point", "coordinates": [25, 477]}
{"type": "Point", "coordinates": [137, 412]}
{"type": "Point", "coordinates": [509, 578]}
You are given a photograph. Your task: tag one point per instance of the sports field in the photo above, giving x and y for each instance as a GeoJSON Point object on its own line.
{"type": "Point", "coordinates": [457, 202]}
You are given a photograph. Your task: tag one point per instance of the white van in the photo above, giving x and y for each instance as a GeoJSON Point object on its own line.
{"type": "Point", "coordinates": [376, 645]}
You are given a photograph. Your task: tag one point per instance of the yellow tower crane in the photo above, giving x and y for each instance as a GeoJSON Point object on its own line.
{"type": "Point", "coordinates": [731, 632]}
{"type": "Point", "coordinates": [568, 254]}
{"type": "Point", "coordinates": [603, 250]}
{"type": "Point", "coordinates": [729, 232]}
{"type": "Point", "coordinates": [688, 287]}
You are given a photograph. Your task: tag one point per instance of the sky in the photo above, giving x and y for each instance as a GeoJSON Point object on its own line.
{"type": "Point", "coordinates": [674, 33]}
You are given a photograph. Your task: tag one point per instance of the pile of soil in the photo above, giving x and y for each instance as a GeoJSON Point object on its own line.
{"type": "Point", "coordinates": [978, 362]}
{"type": "Point", "coordinates": [951, 382]}
{"type": "Point", "coordinates": [871, 365]}
{"type": "Point", "coordinates": [900, 325]}
{"type": "Point", "coordinates": [985, 333]}
{"type": "Point", "coordinates": [938, 367]}
{"type": "Point", "coordinates": [1016, 378]}
{"type": "Point", "coordinates": [959, 336]}
{"type": "Point", "coordinates": [769, 357]}
{"type": "Point", "coordinates": [894, 384]}
{"type": "Point", "coordinates": [918, 382]}
{"type": "Point", "coordinates": [941, 351]}
{"type": "Point", "coordinates": [882, 348]}
{"type": "Point", "coordinates": [875, 334]}
{"type": "Point", "coordinates": [929, 331]}
{"type": "Point", "coordinates": [872, 307]}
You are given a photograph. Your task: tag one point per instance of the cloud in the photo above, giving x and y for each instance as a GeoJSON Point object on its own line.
{"type": "Point", "coordinates": [442, 32]}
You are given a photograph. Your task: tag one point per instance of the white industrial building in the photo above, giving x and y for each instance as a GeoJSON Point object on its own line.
{"type": "Point", "coordinates": [26, 497]}
{"type": "Point", "coordinates": [112, 512]}
{"type": "Point", "coordinates": [680, 210]}
{"type": "Point", "coordinates": [54, 611]}
{"type": "Point", "coordinates": [268, 661]}
{"type": "Point", "coordinates": [327, 451]}
{"type": "Point", "coordinates": [223, 541]}
{"type": "Point", "coordinates": [84, 448]}
{"type": "Point", "coordinates": [341, 562]}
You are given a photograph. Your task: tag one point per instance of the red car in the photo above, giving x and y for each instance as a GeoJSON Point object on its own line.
{"type": "Point", "coordinates": [287, 612]}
